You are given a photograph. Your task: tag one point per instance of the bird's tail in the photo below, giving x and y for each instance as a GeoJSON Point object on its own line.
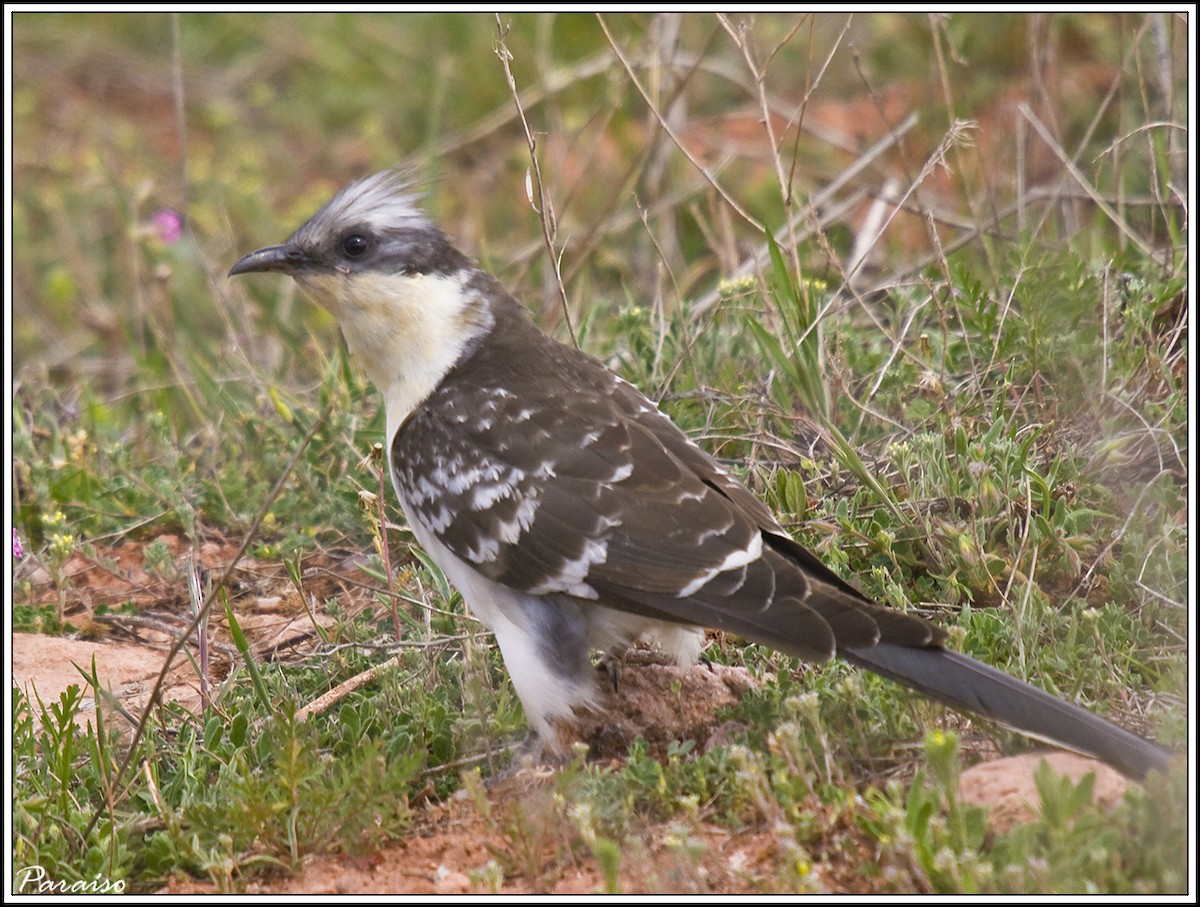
{"type": "Point", "coordinates": [965, 683]}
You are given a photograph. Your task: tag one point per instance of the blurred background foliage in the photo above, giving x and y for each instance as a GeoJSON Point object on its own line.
{"type": "Point", "coordinates": [245, 122]}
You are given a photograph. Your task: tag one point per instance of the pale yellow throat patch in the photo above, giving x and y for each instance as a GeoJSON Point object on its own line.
{"type": "Point", "coordinates": [407, 330]}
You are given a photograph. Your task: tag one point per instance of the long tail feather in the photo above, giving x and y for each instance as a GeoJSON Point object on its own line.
{"type": "Point", "coordinates": [964, 683]}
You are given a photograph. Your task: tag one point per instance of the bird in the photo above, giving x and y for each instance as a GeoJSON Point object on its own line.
{"type": "Point", "coordinates": [574, 516]}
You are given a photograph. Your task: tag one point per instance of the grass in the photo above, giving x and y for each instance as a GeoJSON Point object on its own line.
{"type": "Point", "coordinates": [985, 420]}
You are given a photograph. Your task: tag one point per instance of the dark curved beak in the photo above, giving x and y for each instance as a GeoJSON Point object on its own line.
{"type": "Point", "coordinates": [287, 258]}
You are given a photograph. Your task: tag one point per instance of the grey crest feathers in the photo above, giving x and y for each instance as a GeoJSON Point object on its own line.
{"type": "Point", "coordinates": [572, 514]}
{"type": "Point", "coordinates": [373, 224]}
{"type": "Point", "coordinates": [385, 201]}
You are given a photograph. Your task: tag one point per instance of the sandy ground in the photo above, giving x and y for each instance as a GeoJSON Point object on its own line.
{"type": "Point", "coordinates": [468, 844]}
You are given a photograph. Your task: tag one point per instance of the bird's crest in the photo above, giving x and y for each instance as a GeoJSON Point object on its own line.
{"type": "Point", "coordinates": [383, 200]}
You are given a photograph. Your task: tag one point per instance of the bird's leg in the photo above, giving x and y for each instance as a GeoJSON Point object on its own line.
{"type": "Point", "coordinates": [610, 664]}
{"type": "Point", "coordinates": [531, 759]}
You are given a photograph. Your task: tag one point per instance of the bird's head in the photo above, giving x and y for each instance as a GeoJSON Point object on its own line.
{"type": "Point", "coordinates": [373, 225]}
{"type": "Point", "coordinates": [407, 300]}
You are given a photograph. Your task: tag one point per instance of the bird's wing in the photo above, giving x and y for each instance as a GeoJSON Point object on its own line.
{"type": "Point", "coordinates": [580, 487]}
{"type": "Point", "coordinates": [583, 488]}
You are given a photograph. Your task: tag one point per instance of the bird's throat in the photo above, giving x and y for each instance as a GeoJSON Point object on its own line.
{"type": "Point", "coordinates": [406, 330]}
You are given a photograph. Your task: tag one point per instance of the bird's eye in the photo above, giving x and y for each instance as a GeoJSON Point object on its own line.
{"type": "Point", "coordinates": [355, 245]}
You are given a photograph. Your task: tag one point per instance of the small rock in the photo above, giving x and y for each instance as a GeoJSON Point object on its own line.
{"type": "Point", "coordinates": [1007, 788]}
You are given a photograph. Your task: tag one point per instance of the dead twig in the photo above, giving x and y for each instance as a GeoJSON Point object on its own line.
{"type": "Point", "coordinates": [206, 605]}
{"type": "Point", "coordinates": [535, 188]}
{"type": "Point", "coordinates": [708, 176]}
